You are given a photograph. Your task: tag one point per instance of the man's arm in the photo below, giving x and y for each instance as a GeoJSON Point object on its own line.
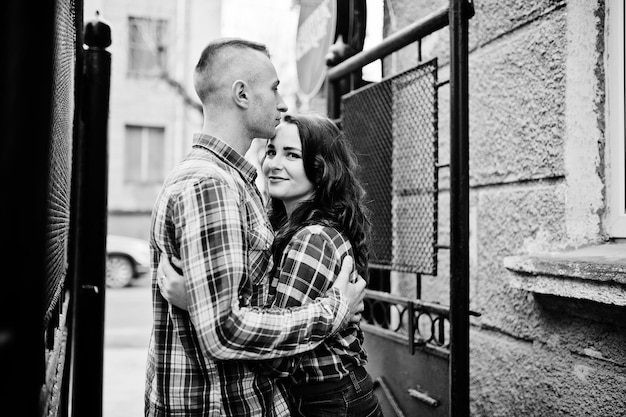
{"type": "Point", "coordinates": [213, 251]}
{"type": "Point", "coordinates": [173, 288]}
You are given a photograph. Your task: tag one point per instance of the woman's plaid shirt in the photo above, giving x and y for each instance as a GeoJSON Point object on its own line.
{"type": "Point", "coordinates": [309, 265]}
{"type": "Point", "coordinates": [209, 214]}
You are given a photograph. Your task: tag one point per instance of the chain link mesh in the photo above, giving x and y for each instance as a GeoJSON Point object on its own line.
{"type": "Point", "coordinates": [60, 154]}
{"type": "Point", "coordinates": [393, 128]}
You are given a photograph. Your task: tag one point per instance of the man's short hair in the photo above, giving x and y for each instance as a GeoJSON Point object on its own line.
{"type": "Point", "coordinates": [216, 46]}
{"type": "Point", "coordinates": [209, 56]}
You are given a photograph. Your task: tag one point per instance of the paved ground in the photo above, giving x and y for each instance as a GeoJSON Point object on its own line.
{"type": "Point", "coordinates": [127, 330]}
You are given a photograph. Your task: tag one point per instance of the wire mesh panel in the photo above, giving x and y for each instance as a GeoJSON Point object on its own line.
{"type": "Point", "coordinates": [59, 198]}
{"type": "Point", "coordinates": [393, 128]}
{"type": "Point", "coordinates": [60, 154]}
{"type": "Point", "coordinates": [367, 124]}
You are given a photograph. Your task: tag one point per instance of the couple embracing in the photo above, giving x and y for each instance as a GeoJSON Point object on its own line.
{"type": "Point", "coordinates": [256, 313]}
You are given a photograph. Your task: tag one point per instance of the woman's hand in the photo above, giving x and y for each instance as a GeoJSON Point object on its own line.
{"type": "Point", "coordinates": [171, 283]}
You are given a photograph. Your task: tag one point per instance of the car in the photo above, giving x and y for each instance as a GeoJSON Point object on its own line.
{"type": "Point", "coordinates": [127, 258]}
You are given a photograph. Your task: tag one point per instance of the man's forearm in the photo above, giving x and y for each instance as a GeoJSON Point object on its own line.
{"type": "Point", "coordinates": [256, 334]}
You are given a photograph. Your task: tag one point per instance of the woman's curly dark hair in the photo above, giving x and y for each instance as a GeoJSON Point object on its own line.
{"type": "Point", "coordinates": [331, 165]}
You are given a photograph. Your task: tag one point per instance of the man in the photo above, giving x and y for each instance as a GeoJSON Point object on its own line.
{"type": "Point", "coordinates": [209, 214]}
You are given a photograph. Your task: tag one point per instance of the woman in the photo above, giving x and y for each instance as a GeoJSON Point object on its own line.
{"type": "Point", "coordinates": [316, 205]}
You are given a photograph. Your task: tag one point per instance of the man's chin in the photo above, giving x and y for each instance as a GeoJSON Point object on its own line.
{"type": "Point", "coordinates": [270, 135]}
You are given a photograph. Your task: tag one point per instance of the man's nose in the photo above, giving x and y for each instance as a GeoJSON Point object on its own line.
{"type": "Point", "coordinates": [281, 106]}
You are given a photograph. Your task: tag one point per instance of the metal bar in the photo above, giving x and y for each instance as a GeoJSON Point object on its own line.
{"type": "Point", "coordinates": [441, 331]}
{"type": "Point", "coordinates": [332, 100]}
{"type": "Point", "coordinates": [402, 339]}
{"type": "Point", "coordinates": [418, 286]}
{"type": "Point", "coordinates": [417, 304]}
{"type": "Point", "coordinates": [419, 51]}
{"type": "Point", "coordinates": [410, 313]}
{"type": "Point", "coordinates": [424, 27]}
{"type": "Point", "coordinates": [91, 172]}
{"type": "Point", "coordinates": [459, 210]}
{"type": "Point", "coordinates": [66, 393]}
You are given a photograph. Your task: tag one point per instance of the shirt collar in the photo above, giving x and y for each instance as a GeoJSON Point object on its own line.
{"type": "Point", "coordinates": [225, 153]}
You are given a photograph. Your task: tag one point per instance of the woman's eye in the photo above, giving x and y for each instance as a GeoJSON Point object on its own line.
{"type": "Point", "coordinates": [293, 155]}
{"type": "Point", "coordinates": [270, 153]}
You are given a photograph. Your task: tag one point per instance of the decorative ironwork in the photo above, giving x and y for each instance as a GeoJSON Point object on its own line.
{"type": "Point", "coordinates": [398, 318]}
{"type": "Point", "coordinates": [393, 128]}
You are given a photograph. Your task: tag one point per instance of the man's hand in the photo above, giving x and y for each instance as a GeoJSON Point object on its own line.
{"type": "Point", "coordinates": [353, 290]}
{"type": "Point", "coordinates": [171, 283]}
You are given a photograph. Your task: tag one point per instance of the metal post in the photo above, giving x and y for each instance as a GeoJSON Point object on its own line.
{"type": "Point", "coordinates": [459, 210]}
{"type": "Point", "coordinates": [91, 172]}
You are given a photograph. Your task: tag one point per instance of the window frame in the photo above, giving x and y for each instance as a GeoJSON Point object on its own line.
{"type": "Point", "coordinates": [144, 152]}
{"type": "Point", "coordinates": [615, 114]}
{"type": "Point", "coordinates": [160, 29]}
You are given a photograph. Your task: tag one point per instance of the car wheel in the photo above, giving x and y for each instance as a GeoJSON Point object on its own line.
{"type": "Point", "coordinates": [119, 271]}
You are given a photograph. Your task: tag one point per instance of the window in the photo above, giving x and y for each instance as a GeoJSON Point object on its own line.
{"type": "Point", "coordinates": [144, 154]}
{"type": "Point", "coordinates": [616, 137]}
{"type": "Point", "coordinates": [147, 50]}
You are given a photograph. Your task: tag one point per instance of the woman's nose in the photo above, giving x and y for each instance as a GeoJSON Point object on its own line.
{"type": "Point", "coordinates": [272, 164]}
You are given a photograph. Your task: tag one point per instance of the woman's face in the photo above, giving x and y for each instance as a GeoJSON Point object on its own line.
{"type": "Point", "coordinates": [284, 169]}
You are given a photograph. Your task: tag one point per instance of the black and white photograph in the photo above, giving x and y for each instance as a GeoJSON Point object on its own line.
{"type": "Point", "coordinates": [313, 208]}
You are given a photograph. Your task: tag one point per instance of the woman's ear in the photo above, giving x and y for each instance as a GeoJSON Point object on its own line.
{"type": "Point", "coordinates": [239, 91]}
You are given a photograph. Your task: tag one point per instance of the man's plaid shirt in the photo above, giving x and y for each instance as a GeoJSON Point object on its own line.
{"type": "Point", "coordinates": [209, 214]}
{"type": "Point", "coordinates": [309, 265]}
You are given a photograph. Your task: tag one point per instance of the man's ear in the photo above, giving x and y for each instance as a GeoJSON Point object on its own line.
{"type": "Point", "coordinates": [240, 93]}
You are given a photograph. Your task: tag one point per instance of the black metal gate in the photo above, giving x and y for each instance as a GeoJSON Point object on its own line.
{"type": "Point", "coordinates": [418, 351]}
{"type": "Point", "coordinates": [54, 182]}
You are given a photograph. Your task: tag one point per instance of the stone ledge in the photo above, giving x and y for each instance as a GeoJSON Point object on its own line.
{"type": "Point", "coordinates": [596, 273]}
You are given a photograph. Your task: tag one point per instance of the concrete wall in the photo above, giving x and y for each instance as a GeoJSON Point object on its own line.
{"type": "Point", "coordinates": [537, 186]}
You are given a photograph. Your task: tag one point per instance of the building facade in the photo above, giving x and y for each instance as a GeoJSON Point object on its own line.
{"type": "Point", "coordinates": [547, 216]}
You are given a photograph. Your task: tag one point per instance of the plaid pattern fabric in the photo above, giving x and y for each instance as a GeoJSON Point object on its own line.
{"type": "Point", "coordinates": [309, 265]}
{"type": "Point", "coordinates": [209, 214]}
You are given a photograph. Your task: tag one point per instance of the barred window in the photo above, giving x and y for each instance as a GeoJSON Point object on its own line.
{"type": "Point", "coordinates": [147, 46]}
{"type": "Point", "coordinates": [145, 151]}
